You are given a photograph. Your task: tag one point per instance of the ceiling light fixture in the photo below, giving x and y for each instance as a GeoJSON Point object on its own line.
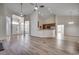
{"type": "Point", "coordinates": [21, 10]}
{"type": "Point", "coordinates": [36, 7]}
{"type": "Point", "coordinates": [70, 20]}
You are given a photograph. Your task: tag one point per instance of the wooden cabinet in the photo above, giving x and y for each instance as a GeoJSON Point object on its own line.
{"type": "Point", "coordinates": [47, 26]}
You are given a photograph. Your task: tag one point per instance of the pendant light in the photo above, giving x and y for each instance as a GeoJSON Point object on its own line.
{"type": "Point", "coordinates": [36, 7]}
{"type": "Point", "coordinates": [21, 10]}
{"type": "Point", "coordinates": [71, 20]}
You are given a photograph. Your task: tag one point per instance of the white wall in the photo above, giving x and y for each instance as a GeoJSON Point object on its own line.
{"type": "Point", "coordinates": [2, 21]}
{"type": "Point", "coordinates": [35, 30]}
{"type": "Point", "coordinates": [70, 30]}
{"type": "Point", "coordinates": [4, 12]}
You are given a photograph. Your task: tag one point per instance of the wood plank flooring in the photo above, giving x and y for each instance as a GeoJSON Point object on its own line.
{"type": "Point", "coordinates": [28, 45]}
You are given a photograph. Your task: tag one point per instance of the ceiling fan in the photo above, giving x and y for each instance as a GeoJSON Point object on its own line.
{"type": "Point", "coordinates": [36, 6]}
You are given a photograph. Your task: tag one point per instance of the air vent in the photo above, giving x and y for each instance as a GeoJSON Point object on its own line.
{"type": "Point", "coordinates": [42, 6]}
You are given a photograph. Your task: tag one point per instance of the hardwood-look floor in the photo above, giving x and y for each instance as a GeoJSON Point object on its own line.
{"type": "Point", "coordinates": [28, 45]}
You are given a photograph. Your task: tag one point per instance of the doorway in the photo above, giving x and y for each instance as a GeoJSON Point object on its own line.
{"type": "Point", "coordinates": [16, 25]}
{"type": "Point", "coordinates": [60, 35]}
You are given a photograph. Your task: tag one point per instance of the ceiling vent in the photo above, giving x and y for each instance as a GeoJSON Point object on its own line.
{"type": "Point", "coordinates": [42, 6]}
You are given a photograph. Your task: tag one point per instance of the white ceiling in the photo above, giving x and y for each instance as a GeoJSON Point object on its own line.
{"type": "Point", "coordinates": [66, 9]}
